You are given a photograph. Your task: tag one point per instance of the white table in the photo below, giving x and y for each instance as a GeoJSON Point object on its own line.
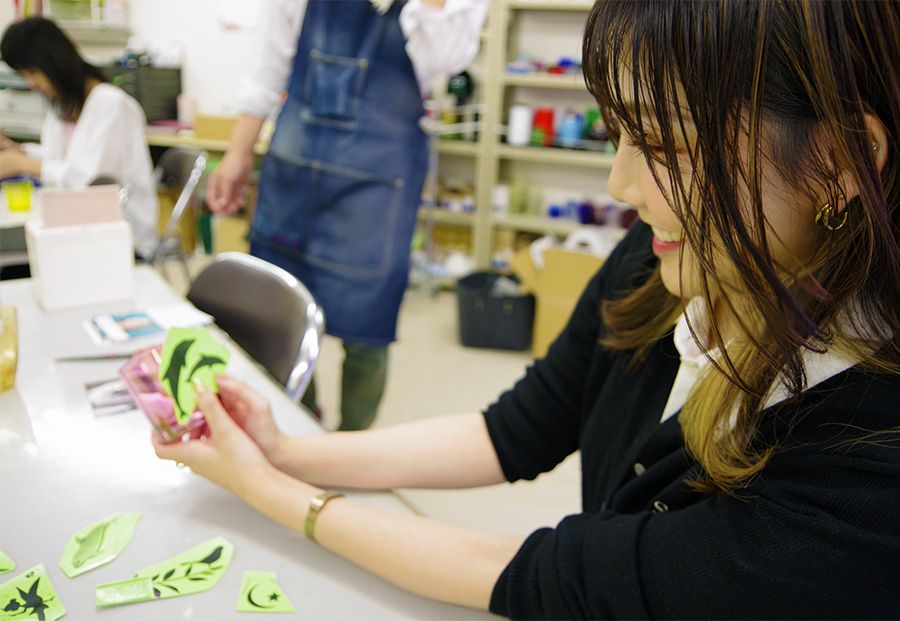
{"type": "Point", "coordinates": [62, 468]}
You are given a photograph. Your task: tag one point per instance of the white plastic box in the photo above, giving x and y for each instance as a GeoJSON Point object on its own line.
{"type": "Point", "coordinates": [80, 264]}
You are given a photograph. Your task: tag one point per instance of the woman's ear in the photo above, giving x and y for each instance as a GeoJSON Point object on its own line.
{"type": "Point", "coordinates": [878, 143]}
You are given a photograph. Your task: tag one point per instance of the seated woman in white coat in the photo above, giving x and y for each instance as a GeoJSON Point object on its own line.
{"type": "Point", "coordinates": [94, 129]}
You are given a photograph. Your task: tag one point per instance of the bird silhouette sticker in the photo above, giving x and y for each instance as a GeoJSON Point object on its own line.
{"type": "Point", "coordinates": [98, 544]}
{"type": "Point", "coordinates": [196, 570]}
{"type": "Point", "coordinates": [189, 354]}
{"type": "Point", "coordinates": [30, 596]}
{"type": "Point", "coordinates": [260, 592]}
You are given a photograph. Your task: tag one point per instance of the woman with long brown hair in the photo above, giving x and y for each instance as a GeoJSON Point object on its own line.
{"type": "Point", "coordinates": [730, 376]}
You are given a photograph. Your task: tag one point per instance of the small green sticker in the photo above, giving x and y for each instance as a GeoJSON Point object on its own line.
{"type": "Point", "coordinates": [190, 353]}
{"type": "Point", "coordinates": [98, 544]}
{"type": "Point", "coordinates": [194, 571]}
{"type": "Point", "coordinates": [30, 596]}
{"type": "Point", "coordinates": [129, 591]}
{"type": "Point", "coordinates": [6, 563]}
{"type": "Point", "coordinates": [260, 592]}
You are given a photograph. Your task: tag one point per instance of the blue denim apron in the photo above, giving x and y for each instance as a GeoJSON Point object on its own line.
{"type": "Point", "coordinates": [342, 180]}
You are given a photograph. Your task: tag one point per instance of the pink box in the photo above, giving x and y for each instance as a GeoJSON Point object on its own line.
{"type": "Point", "coordinates": [141, 376]}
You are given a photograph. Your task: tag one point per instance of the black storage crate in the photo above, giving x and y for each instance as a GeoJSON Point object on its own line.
{"type": "Point", "coordinates": [493, 321]}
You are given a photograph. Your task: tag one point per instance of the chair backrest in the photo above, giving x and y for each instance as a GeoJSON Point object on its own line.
{"type": "Point", "coordinates": [179, 169]}
{"type": "Point", "coordinates": [266, 311]}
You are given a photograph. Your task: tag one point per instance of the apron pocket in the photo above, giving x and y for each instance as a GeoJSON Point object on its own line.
{"type": "Point", "coordinates": [354, 221]}
{"type": "Point", "coordinates": [282, 214]}
{"type": "Point", "coordinates": [334, 86]}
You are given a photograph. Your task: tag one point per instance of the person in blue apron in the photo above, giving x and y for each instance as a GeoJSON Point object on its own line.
{"type": "Point", "coordinates": [342, 180]}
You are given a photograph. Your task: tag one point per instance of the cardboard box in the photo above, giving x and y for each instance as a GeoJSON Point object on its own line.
{"type": "Point", "coordinates": [557, 288]}
{"type": "Point", "coordinates": [209, 127]}
{"type": "Point", "coordinates": [229, 233]}
{"type": "Point", "coordinates": [82, 264]}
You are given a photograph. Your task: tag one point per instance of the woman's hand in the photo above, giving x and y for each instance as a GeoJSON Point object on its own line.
{"type": "Point", "coordinates": [15, 162]}
{"type": "Point", "coordinates": [252, 413]}
{"type": "Point", "coordinates": [7, 143]}
{"type": "Point", "coordinates": [227, 456]}
{"type": "Point", "coordinates": [228, 182]}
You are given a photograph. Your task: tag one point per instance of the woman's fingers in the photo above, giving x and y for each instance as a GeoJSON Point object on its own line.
{"type": "Point", "coordinates": [216, 416]}
{"type": "Point", "coordinates": [241, 392]}
{"type": "Point", "coordinates": [184, 452]}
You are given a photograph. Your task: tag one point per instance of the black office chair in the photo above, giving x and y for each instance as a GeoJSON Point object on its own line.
{"type": "Point", "coordinates": [178, 169]}
{"type": "Point", "coordinates": [267, 311]}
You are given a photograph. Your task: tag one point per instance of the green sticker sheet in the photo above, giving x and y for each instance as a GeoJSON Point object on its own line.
{"type": "Point", "coordinates": [194, 571]}
{"type": "Point", "coordinates": [30, 596]}
{"type": "Point", "coordinates": [260, 592]}
{"type": "Point", "coordinates": [129, 591]}
{"type": "Point", "coordinates": [98, 544]}
{"type": "Point", "coordinates": [190, 353]}
{"type": "Point", "coordinates": [6, 563]}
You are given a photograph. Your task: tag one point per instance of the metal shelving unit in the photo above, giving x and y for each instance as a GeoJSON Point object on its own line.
{"type": "Point", "coordinates": [544, 80]}
{"type": "Point", "coordinates": [547, 155]}
{"type": "Point", "coordinates": [490, 151]}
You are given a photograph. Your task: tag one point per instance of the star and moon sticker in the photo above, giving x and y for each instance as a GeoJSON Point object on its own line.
{"type": "Point", "coordinates": [260, 592]}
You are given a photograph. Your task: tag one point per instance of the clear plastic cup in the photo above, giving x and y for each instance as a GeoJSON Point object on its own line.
{"type": "Point", "coordinates": [9, 347]}
{"type": "Point", "coordinates": [141, 377]}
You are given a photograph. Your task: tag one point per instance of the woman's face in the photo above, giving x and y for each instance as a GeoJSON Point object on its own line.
{"type": "Point", "coordinates": [789, 226]}
{"type": "Point", "coordinates": [37, 81]}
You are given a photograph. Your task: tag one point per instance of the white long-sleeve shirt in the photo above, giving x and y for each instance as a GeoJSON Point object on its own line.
{"type": "Point", "coordinates": [439, 41]}
{"type": "Point", "coordinates": [819, 366]}
{"type": "Point", "coordinates": [107, 140]}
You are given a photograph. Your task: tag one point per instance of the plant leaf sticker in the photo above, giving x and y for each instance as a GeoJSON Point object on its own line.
{"type": "Point", "coordinates": [98, 544]}
{"type": "Point", "coordinates": [6, 563]}
{"type": "Point", "coordinates": [193, 571]}
{"type": "Point", "coordinates": [190, 353]}
{"type": "Point", "coordinates": [260, 592]}
{"type": "Point", "coordinates": [30, 596]}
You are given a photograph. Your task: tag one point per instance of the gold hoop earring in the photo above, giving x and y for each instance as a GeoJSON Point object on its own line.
{"type": "Point", "coordinates": [826, 216]}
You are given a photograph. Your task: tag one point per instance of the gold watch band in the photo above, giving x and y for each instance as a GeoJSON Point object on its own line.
{"type": "Point", "coordinates": [315, 507]}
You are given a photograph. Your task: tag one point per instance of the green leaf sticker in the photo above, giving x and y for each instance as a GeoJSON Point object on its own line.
{"type": "Point", "coordinates": [187, 354]}
{"type": "Point", "coordinates": [260, 592]}
{"type": "Point", "coordinates": [194, 571]}
{"type": "Point", "coordinates": [98, 544]}
{"type": "Point", "coordinates": [30, 596]}
{"type": "Point", "coordinates": [6, 563]}
{"type": "Point", "coordinates": [129, 591]}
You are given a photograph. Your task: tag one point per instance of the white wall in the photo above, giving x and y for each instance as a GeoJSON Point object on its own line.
{"type": "Point", "coordinates": [214, 58]}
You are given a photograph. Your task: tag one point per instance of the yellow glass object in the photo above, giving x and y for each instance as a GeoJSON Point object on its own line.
{"type": "Point", "coordinates": [18, 195]}
{"type": "Point", "coordinates": [9, 347]}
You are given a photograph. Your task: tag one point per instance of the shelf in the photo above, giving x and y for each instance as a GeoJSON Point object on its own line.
{"type": "Point", "coordinates": [86, 33]}
{"type": "Point", "coordinates": [445, 147]}
{"type": "Point", "coordinates": [188, 141]}
{"type": "Point", "coordinates": [550, 5]}
{"type": "Point", "coordinates": [458, 147]}
{"type": "Point", "coordinates": [537, 224]}
{"type": "Point", "coordinates": [445, 216]}
{"type": "Point", "coordinates": [562, 157]}
{"type": "Point", "coordinates": [545, 80]}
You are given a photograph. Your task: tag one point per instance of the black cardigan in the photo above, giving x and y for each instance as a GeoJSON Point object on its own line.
{"type": "Point", "coordinates": [816, 534]}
